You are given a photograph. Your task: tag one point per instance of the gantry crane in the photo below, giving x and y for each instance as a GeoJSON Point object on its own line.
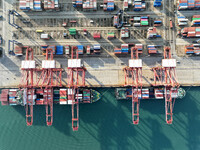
{"type": "Point", "coordinates": [50, 77]}
{"type": "Point", "coordinates": [27, 84]}
{"type": "Point", "coordinates": [76, 79]}
{"type": "Point", "coordinates": [133, 78]}
{"type": "Point", "coordinates": [166, 76]}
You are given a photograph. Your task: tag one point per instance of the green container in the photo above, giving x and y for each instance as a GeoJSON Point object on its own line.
{"type": "Point", "coordinates": [144, 23]}
{"type": "Point", "coordinates": [63, 97]}
{"type": "Point", "coordinates": [56, 92]}
{"type": "Point", "coordinates": [195, 19]}
{"type": "Point", "coordinates": [72, 31]}
{"type": "Point", "coordinates": [56, 100]}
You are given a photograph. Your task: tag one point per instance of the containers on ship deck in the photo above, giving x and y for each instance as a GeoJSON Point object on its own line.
{"type": "Point", "coordinates": [63, 96]}
{"type": "Point", "coordinates": [159, 93]}
{"type": "Point", "coordinates": [4, 97]}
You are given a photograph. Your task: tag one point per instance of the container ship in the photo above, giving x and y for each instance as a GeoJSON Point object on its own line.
{"type": "Point", "coordinates": [62, 96]}
{"type": "Point", "coordinates": [148, 93]}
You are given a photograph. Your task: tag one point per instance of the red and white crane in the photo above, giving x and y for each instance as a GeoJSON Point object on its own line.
{"type": "Point", "coordinates": [166, 76]}
{"type": "Point", "coordinates": [75, 79]}
{"type": "Point", "coordinates": [133, 78]}
{"type": "Point", "coordinates": [50, 77]}
{"type": "Point", "coordinates": [27, 84]}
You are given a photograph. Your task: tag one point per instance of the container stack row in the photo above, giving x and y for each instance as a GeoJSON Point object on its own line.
{"type": "Point", "coordinates": [157, 23]}
{"type": "Point", "coordinates": [127, 3]}
{"type": "Point", "coordinates": [40, 97]}
{"type": "Point", "coordinates": [77, 3]}
{"type": "Point", "coordinates": [27, 5]}
{"type": "Point", "coordinates": [95, 49]}
{"type": "Point", "coordinates": [140, 21]}
{"type": "Point", "coordinates": [124, 33]}
{"type": "Point", "coordinates": [96, 35]}
{"type": "Point", "coordinates": [4, 96]}
{"type": "Point", "coordinates": [111, 35]}
{"type": "Point", "coordinates": [108, 5]}
{"type": "Point", "coordinates": [196, 20]}
{"type": "Point", "coordinates": [139, 5]}
{"type": "Point", "coordinates": [36, 5]}
{"type": "Point", "coordinates": [152, 33]}
{"type": "Point", "coordinates": [188, 4]}
{"type": "Point", "coordinates": [51, 4]}
{"type": "Point", "coordinates": [193, 49]}
{"type": "Point", "coordinates": [56, 96]}
{"type": "Point", "coordinates": [139, 47]}
{"type": "Point", "coordinates": [63, 96]}
{"type": "Point", "coordinates": [125, 48]}
{"type": "Point", "coordinates": [190, 32]}
{"type": "Point", "coordinates": [90, 5]}
{"type": "Point", "coordinates": [182, 21]}
{"type": "Point", "coordinates": [152, 49]}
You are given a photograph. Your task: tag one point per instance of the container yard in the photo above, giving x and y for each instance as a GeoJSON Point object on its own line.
{"type": "Point", "coordinates": [59, 52]}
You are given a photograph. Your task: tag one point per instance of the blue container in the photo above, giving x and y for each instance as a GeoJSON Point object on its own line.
{"type": "Point", "coordinates": [80, 47]}
{"type": "Point", "coordinates": [59, 50]}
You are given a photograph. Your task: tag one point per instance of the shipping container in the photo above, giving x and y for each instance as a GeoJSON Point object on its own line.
{"type": "Point", "coordinates": [45, 36]}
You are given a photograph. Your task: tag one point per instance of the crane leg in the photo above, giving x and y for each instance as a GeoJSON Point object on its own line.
{"type": "Point", "coordinates": [75, 113]}
{"type": "Point", "coordinates": [135, 106]}
{"type": "Point", "coordinates": [49, 107]}
{"type": "Point", "coordinates": [168, 105]}
{"type": "Point", "coordinates": [29, 108]}
{"type": "Point", "coordinates": [29, 114]}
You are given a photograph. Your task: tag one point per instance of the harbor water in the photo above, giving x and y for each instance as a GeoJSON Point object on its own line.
{"type": "Point", "coordinates": [105, 125]}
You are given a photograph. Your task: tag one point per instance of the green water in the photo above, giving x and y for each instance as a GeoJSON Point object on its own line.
{"type": "Point", "coordinates": [104, 125]}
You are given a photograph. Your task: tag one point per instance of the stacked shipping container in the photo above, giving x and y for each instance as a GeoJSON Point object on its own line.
{"type": "Point", "coordinates": [34, 5]}
{"type": "Point", "coordinates": [182, 21]}
{"type": "Point", "coordinates": [157, 23]}
{"type": "Point", "coordinates": [51, 4]}
{"type": "Point", "coordinates": [152, 49]}
{"type": "Point", "coordinates": [63, 96]}
{"type": "Point", "coordinates": [190, 32]}
{"type": "Point", "coordinates": [188, 4]}
{"type": "Point", "coordinates": [139, 5]}
{"type": "Point", "coordinates": [124, 33]}
{"type": "Point", "coordinates": [90, 5]}
{"type": "Point", "coordinates": [152, 33]}
{"type": "Point", "coordinates": [111, 35]}
{"type": "Point", "coordinates": [193, 49]}
{"type": "Point", "coordinates": [196, 20]}
{"type": "Point", "coordinates": [108, 5]}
